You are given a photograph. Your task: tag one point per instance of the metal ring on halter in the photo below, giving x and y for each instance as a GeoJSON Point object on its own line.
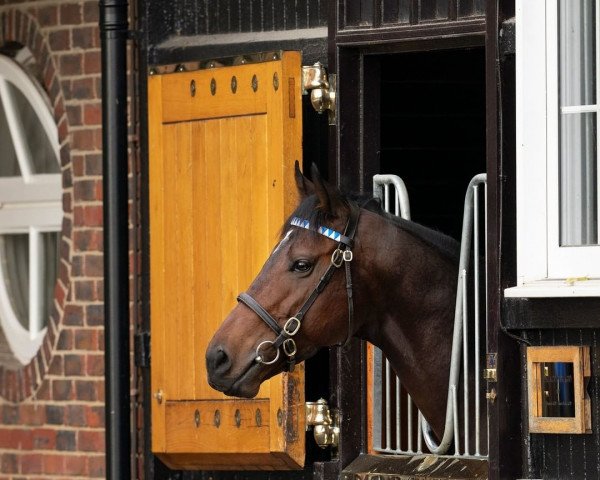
{"type": "Point", "coordinates": [293, 329]}
{"type": "Point", "coordinates": [259, 358]}
{"type": "Point", "coordinates": [347, 255]}
{"type": "Point", "coordinates": [289, 347]}
{"type": "Point", "coordinates": [337, 258]}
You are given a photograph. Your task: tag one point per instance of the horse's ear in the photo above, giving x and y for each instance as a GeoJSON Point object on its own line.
{"type": "Point", "coordinates": [305, 186]}
{"type": "Point", "coordinates": [330, 199]}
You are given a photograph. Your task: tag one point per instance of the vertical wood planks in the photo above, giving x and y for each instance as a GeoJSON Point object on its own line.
{"type": "Point", "coordinates": [221, 185]}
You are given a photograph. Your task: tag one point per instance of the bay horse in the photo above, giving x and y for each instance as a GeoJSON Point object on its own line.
{"type": "Point", "coordinates": [398, 292]}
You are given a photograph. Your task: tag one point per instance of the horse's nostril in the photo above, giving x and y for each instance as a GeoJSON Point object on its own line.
{"type": "Point", "coordinates": [217, 360]}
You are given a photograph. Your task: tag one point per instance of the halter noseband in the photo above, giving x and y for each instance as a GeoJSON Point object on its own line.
{"type": "Point", "coordinates": [342, 255]}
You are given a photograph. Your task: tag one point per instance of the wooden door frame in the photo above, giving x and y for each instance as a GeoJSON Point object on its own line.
{"type": "Point", "coordinates": [351, 58]}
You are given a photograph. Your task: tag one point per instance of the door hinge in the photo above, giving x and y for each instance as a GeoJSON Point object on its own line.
{"type": "Point", "coordinates": [142, 349]}
{"type": "Point", "coordinates": [324, 422]}
{"type": "Point", "coordinates": [489, 373]}
{"type": "Point", "coordinates": [322, 88]}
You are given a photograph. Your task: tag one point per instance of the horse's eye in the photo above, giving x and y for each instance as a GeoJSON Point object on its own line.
{"type": "Point", "coordinates": [301, 266]}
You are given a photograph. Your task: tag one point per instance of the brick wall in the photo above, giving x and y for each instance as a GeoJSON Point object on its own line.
{"type": "Point", "coordinates": [52, 410]}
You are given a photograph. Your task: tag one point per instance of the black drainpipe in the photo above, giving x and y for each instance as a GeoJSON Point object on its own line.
{"type": "Point", "coordinates": [113, 35]}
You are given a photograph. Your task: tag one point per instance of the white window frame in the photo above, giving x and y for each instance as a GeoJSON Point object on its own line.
{"type": "Point", "coordinates": [544, 269]}
{"type": "Point", "coordinates": [29, 204]}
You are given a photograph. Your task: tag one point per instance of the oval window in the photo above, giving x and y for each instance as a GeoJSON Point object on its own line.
{"type": "Point", "coordinates": [30, 212]}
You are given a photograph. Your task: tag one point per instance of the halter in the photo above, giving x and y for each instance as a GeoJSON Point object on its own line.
{"type": "Point", "coordinates": [342, 255]}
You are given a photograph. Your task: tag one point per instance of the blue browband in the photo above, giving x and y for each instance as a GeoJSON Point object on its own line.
{"type": "Point", "coordinates": [325, 231]}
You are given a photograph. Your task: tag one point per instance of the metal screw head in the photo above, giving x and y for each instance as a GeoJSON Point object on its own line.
{"type": "Point", "coordinates": [193, 88]}
{"type": "Point", "coordinates": [159, 396]}
{"type": "Point", "coordinates": [258, 417]}
{"type": "Point", "coordinates": [180, 68]}
{"type": "Point", "coordinates": [217, 420]}
{"type": "Point", "coordinates": [276, 81]}
{"type": "Point", "coordinates": [197, 418]}
{"type": "Point", "coordinates": [254, 83]}
{"type": "Point", "coordinates": [152, 71]}
{"type": "Point", "coordinates": [238, 418]}
{"type": "Point", "coordinates": [234, 84]}
{"type": "Point", "coordinates": [213, 86]}
{"type": "Point", "coordinates": [279, 417]}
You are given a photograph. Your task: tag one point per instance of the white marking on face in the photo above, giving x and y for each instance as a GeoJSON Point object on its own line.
{"type": "Point", "coordinates": [285, 239]}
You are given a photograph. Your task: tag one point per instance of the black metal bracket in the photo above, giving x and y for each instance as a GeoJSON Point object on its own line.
{"type": "Point", "coordinates": [142, 349]}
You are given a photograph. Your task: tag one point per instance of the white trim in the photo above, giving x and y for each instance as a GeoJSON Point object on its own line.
{"type": "Point", "coordinates": [539, 256]}
{"type": "Point", "coordinates": [29, 204]}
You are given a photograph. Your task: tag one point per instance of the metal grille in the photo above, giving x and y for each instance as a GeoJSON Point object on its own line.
{"type": "Point", "coordinates": [398, 427]}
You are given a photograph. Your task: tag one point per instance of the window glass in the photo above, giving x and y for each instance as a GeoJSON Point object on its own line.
{"type": "Point", "coordinates": [578, 164]}
{"type": "Point", "coordinates": [14, 257]}
{"type": "Point", "coordinates": [9, 166]}
{"type": "Point", "coordinates": [41, 153]}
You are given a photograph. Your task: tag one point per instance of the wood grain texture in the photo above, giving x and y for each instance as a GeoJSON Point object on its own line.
{"type": "Point", "coordinates": [221, 185]}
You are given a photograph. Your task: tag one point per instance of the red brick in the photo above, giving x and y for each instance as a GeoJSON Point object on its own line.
{"type": "Point", "coordinates": [65, 440]}
{"type": "Point", "coordinates": [92, 114]}
{"type": "Point", "coordinates": [76, 465]}
{"type": "Point", "coordinates": [74, 115]}
{"type": "Point", "coordinates": [10, 414]}
{"type": "Point", "coordinates": [73, 365]}
{"type": "Point", "coordinates": [53, 464]}
{"type": "Point", "coordinates": [84, 140]}
{"type": "Point", "coordinates": [9, 463]}
{"type": "Point", "coordinates": [86, 390]}
{"type": "Point", "coordinates": [94, 266]}
{"type": "Point", "coordinates": [71, 64]}
{"type": "Point", "coordinates": [94, 417]}
{"type": "Point", "coordinates": [89, 216]}
{"type": "Point", "coordinates": [95, 365]}
{"type": "Point", "coordinates": [94, 316]}
{"type": "Point", "coordinates": [56, 366]}
{"type": "Point", "coordinates": [91, 62]}
{"type": "Point", "coordinates": [86, 339]}
{"type": "Point", "coordinates": [83, 89]}
{"type": "Point", "coordinates": [88, 240]}
{"type": "Point", "coordinates": [65, 339]}
{"type": "Point", "coordinates": [93, 164]}
{"type": "Point", "coordinates": [55, 414]}
{"type": "Point", "coordinates": [62, 389]}
{"type": "Point", "coordinates": [86, 37]}
{"type": "Point", "coordinates": [84, 290]}
{"type": "Point", "coordinates": [31, 463]}
{"type": "Point", "coordinates": [73, 316]}
{"type": "Point", "coordinates": [70, 14]}
{"type": "Point", "coordinates": [90, 12]}
{"type": "Point", "coordinates": [88, 190]}
{"type": "Point", "coordinates": [97, 467]}
{"type": "Point", "coordinates": [75, 416]}
{"type": "Point", "coordinates": [88, 441]}
{"type": "Point", "coordinates": [32, 415]}
{"type": "Point", "coordinates": [16, 439]}
{"type": "Point", "coordinates": [78, 165]}
{"type": "Point", "coordinates": [60, 40]}
{"type": "Point", "coordinates": [47, 16]}
{"type": "Point", "coordinates": [44, 439]}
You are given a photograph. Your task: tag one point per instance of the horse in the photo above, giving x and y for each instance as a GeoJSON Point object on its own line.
{"type": "Point", "coordinates": [398, 292]}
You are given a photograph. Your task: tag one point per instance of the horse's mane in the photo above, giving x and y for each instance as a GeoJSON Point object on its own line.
{"type": "Point", "coordinates": [446, 245]}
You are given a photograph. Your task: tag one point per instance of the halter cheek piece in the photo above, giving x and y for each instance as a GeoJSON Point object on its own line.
{"type": "Point", "coordinates": [342, 255]}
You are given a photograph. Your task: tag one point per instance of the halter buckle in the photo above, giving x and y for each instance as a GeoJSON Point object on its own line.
{"type": "Point", "coordinates": [337, 258]}
{"type": "Point", "coordinates": [259, 358]}
{"type": "Point", "coordinates": [289, 347]}
{"type": "Point", "coordinates": [292, 326]}
{"type": "Point", "coordinates": [347, 255]}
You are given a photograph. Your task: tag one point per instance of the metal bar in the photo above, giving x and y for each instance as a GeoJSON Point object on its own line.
{"type": "Point", "coordinates": [388, 410]}
{"type": "Point", "coordinates": [420, 433]}
{"type": "Point", "coordinates": [465, 333]}
{"type": "Point", "coordinates": [113, 36]}
{"type": "Point", "coordinates": [386, 197]}
{"type": "Point", "coordinates": [409, 411]}
{"type": "Point", "coordinates": [476, 280]}
{"type": "Point", "coordinates": [398, 417]}
{"type": "Point", "coordinates": [455, 418]}
{"type": "Point", "coordinates": [377, 398]}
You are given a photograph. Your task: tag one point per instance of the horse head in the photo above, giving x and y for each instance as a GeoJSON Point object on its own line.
{"type": "Point", "coordinates": [286, 315]}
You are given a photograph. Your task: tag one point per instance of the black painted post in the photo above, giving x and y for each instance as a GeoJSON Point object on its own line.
{"type": "Point", "coordinates": [113, 34]}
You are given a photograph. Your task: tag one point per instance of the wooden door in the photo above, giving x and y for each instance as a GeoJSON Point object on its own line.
{"type": "Point", "coordinates": [223, 142]}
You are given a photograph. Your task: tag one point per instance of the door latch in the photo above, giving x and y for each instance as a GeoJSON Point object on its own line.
{"type": "Point", "coordinates": [322, 88]}
{"type": "Point", "coordinates": [324, 422]}
{"type": "Point", "coordinates": [489, 373]}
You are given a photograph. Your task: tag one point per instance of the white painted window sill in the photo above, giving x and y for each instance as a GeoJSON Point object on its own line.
{"type": "Point", "coordinates": [555, 288]}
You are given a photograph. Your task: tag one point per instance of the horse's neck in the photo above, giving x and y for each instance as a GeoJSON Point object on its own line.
{"type": "Point", "coordinates": [411, 318]}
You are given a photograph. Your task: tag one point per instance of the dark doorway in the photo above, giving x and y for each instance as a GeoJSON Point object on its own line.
{"type": "Point", "coordinates": [433, 129]}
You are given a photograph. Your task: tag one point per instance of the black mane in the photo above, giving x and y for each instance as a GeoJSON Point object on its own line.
{"type": "Point", "coordinates": [308, 209]}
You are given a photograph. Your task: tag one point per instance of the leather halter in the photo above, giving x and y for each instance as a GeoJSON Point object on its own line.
{"type": "Point", "coordinates": [342, 255]}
